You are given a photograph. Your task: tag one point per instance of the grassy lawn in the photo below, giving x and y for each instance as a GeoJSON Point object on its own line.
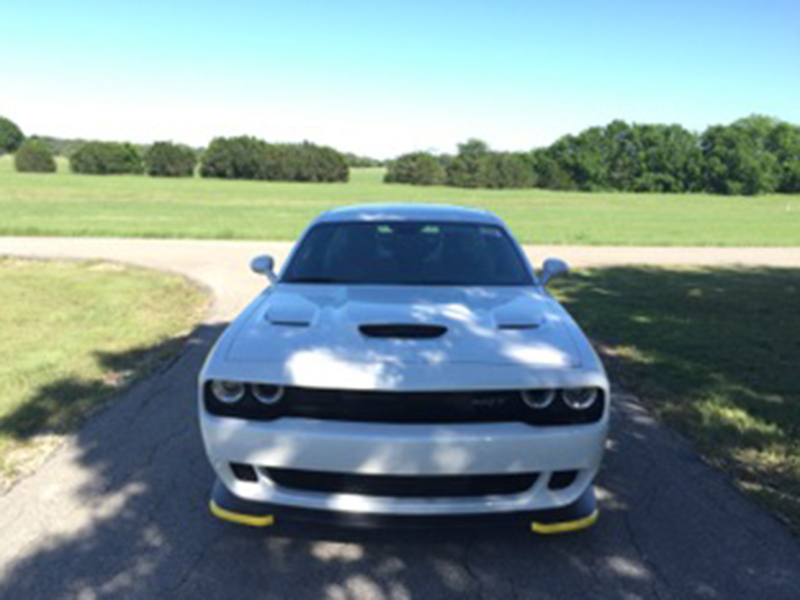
{"type": "Point", "coordinates": [73, 335]}
{"type": "Point", "coordinates": [715, 353]}
{"type": "Point", "coordinates": [129, 206]}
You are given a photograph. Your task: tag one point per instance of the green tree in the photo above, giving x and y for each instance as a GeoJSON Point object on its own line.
{"type": "Point", "coordinates": [670, 159]}
{"type": "Point", "coordinates": [11, 136]}
{"type": "Point", "coordinates": [240, 157]}
{"type": "Point", "coordinates": [550, 173]}
{"type": "Point", "coordinates": [624, 156]}
{"type": "Point", "coordinates": [783, 141]}
{"type": "Point", "coordinates": [416, 168]}
{"type": "Point", "coordinates": [107, 158]}
{"type": "Point", "coordinates": [464, 170]}
{"type": "Point", "coordinates": [583, 157]}
{"type": "Point", "coordinates": [166, 159]}
{"type": "Point", "coordinates": [34, 156]}
{"type": "Point", "coordinates": [473, 147]}
{"type": "Point", "coordinates": [503, 170]}
{"type": "Point", "coordinates": [246, 157]}
{"type": "Point", "coordinates": [736, 159]}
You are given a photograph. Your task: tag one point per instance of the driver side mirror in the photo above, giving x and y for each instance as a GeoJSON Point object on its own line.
{"type": "Point", "coordinates": [264, 265]}
{"type": "Point", "coordinates": [552, 268]}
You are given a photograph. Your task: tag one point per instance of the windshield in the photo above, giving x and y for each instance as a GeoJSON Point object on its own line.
{"type": "Point", "coordinates": [408, 253]}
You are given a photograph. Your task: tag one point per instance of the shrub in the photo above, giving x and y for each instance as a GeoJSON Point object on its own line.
{"type": "Point", "coordinates": [106, 158]}
{"type": "Point", "coordinates": [476, 166]}
{"type": "Point", "coordinates": [165, 159]}
{"type": "Point", "coordinates": [309, 162]}
{"type": "Point", "coordinates": [464, 169]}
{"type": "Point", "coordinates": [11, 137]}
{"type": "Point", "coordinates": [504, 170]}
{"type": "Point", "coordinates": [416, 168]}
{"type": "Point", "coordinates": [34, 156]}
{"type": "Point", "coordinates": [234, 158]}
{"type": "Point", "coordinates": [250, 158]}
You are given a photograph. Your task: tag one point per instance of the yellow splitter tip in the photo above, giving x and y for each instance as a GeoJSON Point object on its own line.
{"type": "Point", "coordinates": [241, 519]}
{"type": "Point", "coordinates": [565, 526]}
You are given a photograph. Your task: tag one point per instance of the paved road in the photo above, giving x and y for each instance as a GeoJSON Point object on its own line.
{"type": "Point", "coordinates": [222, 265]}
{"type": "Point", "coordinates": [120, 510]}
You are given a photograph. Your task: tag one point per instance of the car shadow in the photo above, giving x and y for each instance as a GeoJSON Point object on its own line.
{"type": "Point", "coordinates": [122, 512]}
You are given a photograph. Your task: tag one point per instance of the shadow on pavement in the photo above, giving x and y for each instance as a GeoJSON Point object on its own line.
{"type": "Point", "coordinates": [123, 513]}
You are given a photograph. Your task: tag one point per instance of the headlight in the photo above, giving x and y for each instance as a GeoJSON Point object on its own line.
{"type": "Point", "coordinates": [267, 394]}
{"type": "Point", "coordinates": [538, 399]}
{"type": "Point", "coordinates": [580, 398]}
{"type": "Point", "coordinates": [227, 392]}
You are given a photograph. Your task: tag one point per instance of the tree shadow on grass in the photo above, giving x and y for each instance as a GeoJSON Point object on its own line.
{"type": "Point", "coordinates": [714, 351]}
{"type": "Point", "coordinates": [62, 405]}
{"type": "Point", "coordinates": [129, 519]}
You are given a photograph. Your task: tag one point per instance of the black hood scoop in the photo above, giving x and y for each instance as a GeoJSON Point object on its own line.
{"type": "Point", "coordinates": [401, 331]}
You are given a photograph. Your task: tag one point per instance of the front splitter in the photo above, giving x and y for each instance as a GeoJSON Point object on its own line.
{"type": "Point", "coordinates": [580, 514]}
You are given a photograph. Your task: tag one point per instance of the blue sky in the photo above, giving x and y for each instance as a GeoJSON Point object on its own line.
{"type": "Point", "coordinates": [385, 78]}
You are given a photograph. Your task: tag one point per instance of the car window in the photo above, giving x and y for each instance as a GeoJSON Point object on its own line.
{"type": "Point", "coordinates": [408, 253]}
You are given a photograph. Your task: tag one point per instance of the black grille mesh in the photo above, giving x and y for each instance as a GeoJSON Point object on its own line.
{"type": "Point", "coordinates": [402, 486]}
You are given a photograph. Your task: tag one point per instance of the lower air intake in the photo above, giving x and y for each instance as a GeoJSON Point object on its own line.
{"type": "Point", "coordinates": [402, 486]}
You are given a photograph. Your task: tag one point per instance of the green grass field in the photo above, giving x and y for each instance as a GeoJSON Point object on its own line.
{"type": "Point", "coordinates": [73, 335]}
{"type": "Point", "coordinates": [714, 353]}
{"type": "Point", "coordinates": [80, 205]}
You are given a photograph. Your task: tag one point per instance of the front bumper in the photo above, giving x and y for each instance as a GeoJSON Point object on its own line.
{"type": "Point", "coordinates": [411, 450]}
{"type": "Point", "coordinates": [580, 514]}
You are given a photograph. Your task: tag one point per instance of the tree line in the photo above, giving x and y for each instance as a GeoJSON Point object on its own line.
{"type": "Point", "coordinates": [750, 156]}
{"type": "Point", "coordinates": [242, 157]}
{"type": "Point", "coordinates": [754, 155]}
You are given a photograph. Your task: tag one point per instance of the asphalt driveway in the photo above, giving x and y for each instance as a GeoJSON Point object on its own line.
{"type": "Point", "coordinates": [120, 511]}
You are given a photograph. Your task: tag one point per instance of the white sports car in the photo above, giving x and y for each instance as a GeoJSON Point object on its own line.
{"type": "Point", "coordinates": [407, 366]}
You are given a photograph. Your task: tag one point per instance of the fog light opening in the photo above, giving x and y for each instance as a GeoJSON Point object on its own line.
{"type": "Point", "coordinates": [560, 480]}
{"type": "Point", "coordinates": [244, 472]}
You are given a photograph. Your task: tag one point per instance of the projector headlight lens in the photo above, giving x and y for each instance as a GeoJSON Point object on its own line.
{"type": "Point", "coordinates": [227, 392]}
{"type": "Point", "coordinates": [538, 399]}
{"type": "Point", "coordinates": [580, 398]}
{"type": "Point", "coordinates": [267, 394]}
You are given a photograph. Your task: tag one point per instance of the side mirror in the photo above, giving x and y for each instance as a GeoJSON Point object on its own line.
{"type": "Point", "coordinates": [553, 267]}
{"type": "Point", "coordinates": [264, 265]}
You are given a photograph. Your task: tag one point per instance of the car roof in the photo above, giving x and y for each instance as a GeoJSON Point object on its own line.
{"type": "Point", "coordinates": [408, 212]}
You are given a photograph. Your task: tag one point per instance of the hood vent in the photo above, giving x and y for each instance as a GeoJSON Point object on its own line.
{"type": "Point", "coordinates": [517, 326]}
{"type": "Point", "coordinates": [286, 323]}
{"type": "Point", "coordinates": [403, 332]}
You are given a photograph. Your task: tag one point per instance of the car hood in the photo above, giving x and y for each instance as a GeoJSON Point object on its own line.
{"type": "Point", "coordinates": [314, 327]}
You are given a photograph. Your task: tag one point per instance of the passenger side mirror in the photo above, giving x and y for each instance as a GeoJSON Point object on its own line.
{"type": "Point", "coordinates": [553, 267]}
{"type": "Point", "coordinates": [264, 265]}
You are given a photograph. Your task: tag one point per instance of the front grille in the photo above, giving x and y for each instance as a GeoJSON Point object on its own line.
{"type": "Point", "coordinates": [406, 407]}
{"type": "Point", "coordinates": [402, 486]}
{"type": "Point", "coordinates": [502, 406]}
